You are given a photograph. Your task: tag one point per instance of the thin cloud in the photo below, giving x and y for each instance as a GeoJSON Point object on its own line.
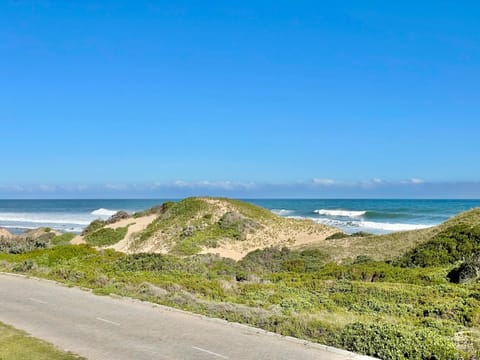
{"type": "Point", "coordinates": [325, 182]}
{"type": "Point", "coordinates": [314, 188]}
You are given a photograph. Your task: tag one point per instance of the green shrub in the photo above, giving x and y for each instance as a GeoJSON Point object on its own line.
{"type": "Point", "coordinates": [158, 210]}
{"type": "Point", "coordinates": [276, 260]}
{"type": "Point", "coordinates": [23, 244]}
{"type": "Point", "coordinates": [469, 270]}
{"type": "Point", "coordinates": [361, 234]}
{"type": "Point", "coordinates": [142, 262]}
{"type": "Point", "coordinates": [389, 341]}
{"type": "Point", "coordinates": [451, 245]}
{"type": "Point", "coordinates": [106, 236]}
{"type": "Point", "coordinates": [93, 226]}
{"type": "Point", "coordinates": [63, 239]}
{"type": "Point", "coordinates": [337, 235]}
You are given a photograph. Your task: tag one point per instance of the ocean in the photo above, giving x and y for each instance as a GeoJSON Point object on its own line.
{"type": "Point", "coordinates": [375, 216]}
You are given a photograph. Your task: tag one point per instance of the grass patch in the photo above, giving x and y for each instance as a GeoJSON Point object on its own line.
{"type": "Point", "coordinates": [18, 345]}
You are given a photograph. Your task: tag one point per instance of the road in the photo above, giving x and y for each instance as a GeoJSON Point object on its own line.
{"type": "Point", "coordinates": [103, 327]}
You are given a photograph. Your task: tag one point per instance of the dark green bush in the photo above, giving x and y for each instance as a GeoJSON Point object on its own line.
{"type": "Point", "coordinates": [337, 235]}
{"type": "Point", "coordinates": [142, 262]}
{"type": "Point", "coordinates": [390, 341]}
{"type": "Point", "coordinates": [361, 234]}
{"type": "Point", "coordinates": [94, 226]}
{"type": "Point", "coordinates": [63, 239]}
{"type": "Point", "coordinates": [451, 245]}
{"type": "Point", "coordinates": [469, 270]}
{"type": "Point", "coordinates": [23, 244]}
{"type": "Point", "coordinates": [106, 236]}
{"type": "Point", "coordinates": [276, 260]}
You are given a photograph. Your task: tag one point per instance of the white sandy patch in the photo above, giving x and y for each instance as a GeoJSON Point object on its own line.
{"type": "Point", "coordinates": [134, 227]}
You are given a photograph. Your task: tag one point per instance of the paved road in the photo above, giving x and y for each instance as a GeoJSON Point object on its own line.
{"type": "Point", "coordinates": [101, 327]}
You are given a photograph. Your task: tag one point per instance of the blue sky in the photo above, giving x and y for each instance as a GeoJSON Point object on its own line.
{"type": "Point", "coordinates": [260, 98]}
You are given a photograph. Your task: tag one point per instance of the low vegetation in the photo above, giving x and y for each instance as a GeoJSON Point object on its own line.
{"type": "Point", "coordinates": [18, 345]}
{"type": "Point", "coordinates": [30, 240]}
{"type": "Point", "coordinates": [447, 247]}
{"type": "Point", "coordinates": [106, 236]}
{"type": "Point", "coordinates": [405, 306]}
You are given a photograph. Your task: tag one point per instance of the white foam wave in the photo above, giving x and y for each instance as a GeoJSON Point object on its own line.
{"type": "Point", "coordinates": [331, 222]}
{"type": "Point", "coordinates": [282, 212]}
{"type": "Point", "coordinates": [103, 212]}
{"type": "Point", "coordinates": [375, 227]}
{"type": "Point", "coordinates": [344, 213]}
{"type": "Point", "coordinates": [392, 227]}
{"type": "Point", "coordinates": [42, 219]}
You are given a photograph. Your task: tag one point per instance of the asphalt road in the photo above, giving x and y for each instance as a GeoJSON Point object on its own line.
{"type": "Point", "coordinates": [102, 327]}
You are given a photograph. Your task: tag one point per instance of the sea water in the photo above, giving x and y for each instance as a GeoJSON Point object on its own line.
{"type": "Point", "coordinates": [375, 216]}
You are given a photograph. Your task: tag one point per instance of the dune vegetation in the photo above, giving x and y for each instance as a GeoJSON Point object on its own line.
{"type": "Point", "coordinates": [421, 300]}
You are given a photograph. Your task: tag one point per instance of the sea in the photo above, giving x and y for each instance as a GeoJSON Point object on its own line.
{"type": "Point", "coordinates": [368, 215]}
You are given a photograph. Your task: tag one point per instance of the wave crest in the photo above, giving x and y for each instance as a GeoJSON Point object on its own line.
{"type": "Point", "coordinates": [344, 213]}
{"type": "Point", "coordinates": [103, 212]}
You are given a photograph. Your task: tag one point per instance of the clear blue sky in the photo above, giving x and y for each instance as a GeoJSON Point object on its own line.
{"type": "Point", "coordinates": [237, 94]}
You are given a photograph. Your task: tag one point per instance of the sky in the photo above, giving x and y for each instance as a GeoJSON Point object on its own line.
{"type": "Point", "coordinates": [239, 98]}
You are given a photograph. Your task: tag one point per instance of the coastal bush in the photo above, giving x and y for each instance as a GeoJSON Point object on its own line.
{"type": "Point", "coordinates": [158, 210]}
{"type": "Point", "coordinates": [469, 270]}
{"type": "Point", "coordinates": [142, 262]}
{"type": "Point", "coordinates": [23, 244]}
{"type": "Point", "coordinates": [337, 235]}
{"type": "Point", "coordinates": [93, 226]}
{"type": "Point", "coordinates": [106, 236]}
{"type": "Point", "coordinates": [63, 239]}
{"type": "Point", "coordinates": [389, 341]}
{"type": "Point", "coordinates": [282, 260]}
{"type": "Point", "coordinates": [361, 234]}
{"type": "Point", "coordinates": [342, 235]}
{"type": "Point", "coordinates": [449, 246]}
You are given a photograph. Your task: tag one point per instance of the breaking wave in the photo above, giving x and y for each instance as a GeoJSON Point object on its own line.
{"type": "Point", "coordinates": [343, 213]}
{"type": "Point", "coordinates": [103, 212]}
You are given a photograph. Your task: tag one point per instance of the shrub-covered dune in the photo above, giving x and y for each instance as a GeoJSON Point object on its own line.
{"type": "Point", "coordinates": [227, 227]}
